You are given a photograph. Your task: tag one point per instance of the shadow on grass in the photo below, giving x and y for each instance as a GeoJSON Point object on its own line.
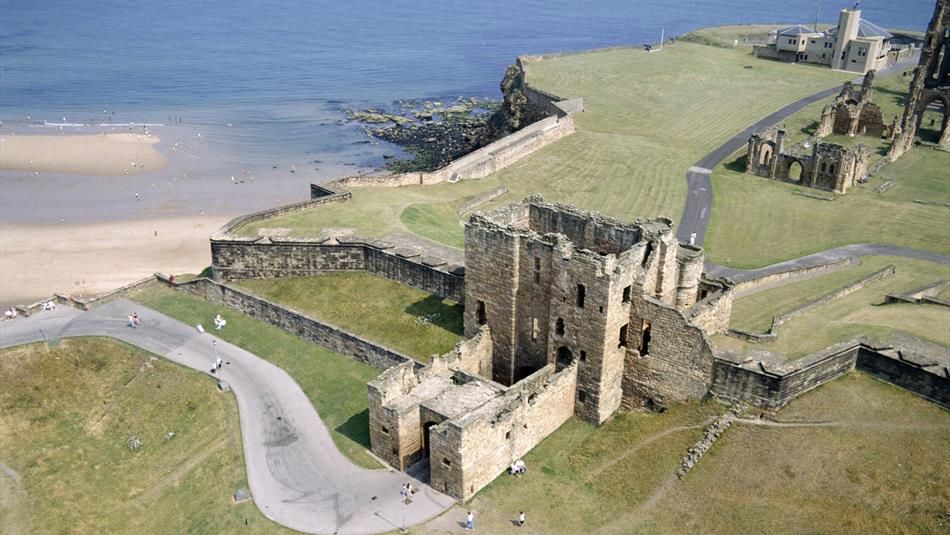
{"type": "Point", "coordinates": [811, 128]}
{"type": "Point", "coordinates": [737, 165]}
{"type": "Point", "coordinates": [356, 428]}
{"type": "Point", "coordinates": [898, 95]}
{"type": "Point", "coordinates": [206, 273]}
{"type": "Point", "coordinates": [441, 314]}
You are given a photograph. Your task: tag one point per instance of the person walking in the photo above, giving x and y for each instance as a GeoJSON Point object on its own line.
{"type": "Point", "coordinates": [470, 521]}
{"type": "Point", "coordinates": [521, 519]}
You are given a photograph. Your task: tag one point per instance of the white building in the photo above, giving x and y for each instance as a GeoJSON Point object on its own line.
{"type": "Point", "coordinates": [854, 45]}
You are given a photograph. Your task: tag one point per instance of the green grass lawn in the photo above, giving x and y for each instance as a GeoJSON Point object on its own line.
{"type": "Point", "coordinates": [435, 221]}
{"type": "Point", "coordinates": [648, 118]}
{"type": "Point", "coordinates": [373, 307]}
{"type": "Point", "coordinates": [883, 470]}
{"type": "Point", "coordinates": [67, 414]}
{"type": "Point", "coordinates": [335, 384]}
{"type": "Point", "coordinates": [856, 314]}
{"type": "Point", "coordinates": [757, 222]}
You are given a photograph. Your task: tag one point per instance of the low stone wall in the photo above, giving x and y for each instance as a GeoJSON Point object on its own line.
{"type": "Point", "coordinates": [319, 194]}
{"type": "Point", "coordinates": [237, 258]}
{"type": "Point", "coordinates": [924, 295]}
{"type": "Point", "coordinates": [736, 377]}
{"type": "Point", "coordinates": [750, 286]}
{"type": "Point", "coordinates": [777, 321]}
{"type": "Point", "coordinates": [480, 163]}
{"type": "Point", "coordinates": [480, 200]}
{"type": "Point", "coordinates": [296, 323]}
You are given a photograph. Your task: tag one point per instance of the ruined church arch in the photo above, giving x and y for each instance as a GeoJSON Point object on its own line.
{"type": "Point", "coordinates": [933, 119]}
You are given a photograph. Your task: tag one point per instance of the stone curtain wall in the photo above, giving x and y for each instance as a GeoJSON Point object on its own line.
{"type": "Point", "coordinates": [236, 259]}
{"type": "Point", "coordinates": [497, 155]}
{"type": "Point", "coordinates": [293, 322]}
{"type": "Point", "coordinates": [319, 194]}
{"type": "Point", "coordinates": [772, 386]}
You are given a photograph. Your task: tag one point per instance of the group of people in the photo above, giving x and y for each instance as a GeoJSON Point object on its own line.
{"type": "Point", "coordinates": [407, 491]}
{"type": "Point", "coordinates": [10, 313]}
{"type": "Point", "coordinates": [470, 520]}
{"type": "Point", "coordinates": [134, 320]}
{"type": "Point", "coordinates": [518, 468]}
{"type": "Point", "coordinates": [219, 322]}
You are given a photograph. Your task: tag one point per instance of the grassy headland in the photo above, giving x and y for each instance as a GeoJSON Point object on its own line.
{"type": "Point", "coordinates": [69, 414]}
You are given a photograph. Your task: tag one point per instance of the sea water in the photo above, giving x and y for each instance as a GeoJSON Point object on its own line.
{"type": "Point", "coordinates": [266, 84]}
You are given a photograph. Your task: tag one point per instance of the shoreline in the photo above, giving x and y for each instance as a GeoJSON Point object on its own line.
{"type": "Point", "coordinates": [105, 154]}
{"type": "Point", "coordinates": [87, 259]}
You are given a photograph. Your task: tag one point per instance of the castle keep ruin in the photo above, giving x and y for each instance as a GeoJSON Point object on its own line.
{"type": "Point", "coordinates": [829, 166]}
{"type": "Point", "coordinates": [567, 313]}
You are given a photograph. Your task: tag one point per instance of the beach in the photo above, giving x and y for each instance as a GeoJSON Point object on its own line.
{"type": "Point", "coordinates": [88, 259]}
{"type": "Point", "coordinates": [105, 154]}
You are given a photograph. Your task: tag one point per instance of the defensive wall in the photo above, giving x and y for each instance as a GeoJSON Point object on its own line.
{"type": "Point", "coordinates": [498, 154]}
{"type": "Point", "coordinates": [294, 322]}
{"type": "Point", "coordinates": [771, 385]}
{"type": "Point", "coordinates": [819, 301]}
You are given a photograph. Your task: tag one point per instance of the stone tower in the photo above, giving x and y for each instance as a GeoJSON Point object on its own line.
{"type": "Point", "coordinates": [931, 84]}
{"type": "Point", "coordinates": [556, 286]}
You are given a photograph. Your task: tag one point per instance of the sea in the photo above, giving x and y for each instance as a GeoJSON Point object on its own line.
{"type": "Point", "coordinates": [257, 89]}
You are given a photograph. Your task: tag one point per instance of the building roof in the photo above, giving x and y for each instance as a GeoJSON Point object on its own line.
{"type": "Point", "coordinates": [798, 29]}
{"type": "Point", "coordinates": [865, 29]}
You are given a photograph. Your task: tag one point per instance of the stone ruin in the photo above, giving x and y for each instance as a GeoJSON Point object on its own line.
{"type": "Point", "coordinates": [930, 87]}
{"type": "Point", "coordinates": [852, 113]}
{"type": "Point", "coordinates": [827, 166]}
{"type": "Point", "coordinates": [566, 313]}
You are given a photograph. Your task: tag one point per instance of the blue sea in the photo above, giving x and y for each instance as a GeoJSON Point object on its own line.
{"type": "Point", "coordinates": [266, 82]}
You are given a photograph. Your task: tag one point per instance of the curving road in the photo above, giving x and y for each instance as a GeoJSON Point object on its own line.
{"type": "Point", "coordinates": [297, 476]}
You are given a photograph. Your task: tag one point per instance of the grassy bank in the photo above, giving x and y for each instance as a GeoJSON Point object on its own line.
{"type": "Point", "coordinates": [647, 118]}
{"type": "Point", "coordinates": [395, 315]}
{"type": "Point", "coordinates": [879, 467]}
{"type": "Point", "coordinates": [757, 222]}
{"type": "Point", "coordinates": [859, 313]}
{"type": "Point", "coordinates": [68, 415]}
{"type": "Point", "coordinates": [336, 385]}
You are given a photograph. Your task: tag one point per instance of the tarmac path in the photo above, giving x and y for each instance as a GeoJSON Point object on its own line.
{"type": "Point", "coordinates": [698, 207]}
{"type": "Point", "coordinates": [297, 476]}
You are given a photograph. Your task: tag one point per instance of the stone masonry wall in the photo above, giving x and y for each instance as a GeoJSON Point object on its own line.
{"type": "Point", "coordinates": [235, 259]}
{"type": "Point", "coordinates": [771, 386]}
{"type": "Point", "coordinates": [677, 364]}
{"type": "Point", "coordinates": [293, 322]}
{"type": "Point", "coordinates": [471, 452]}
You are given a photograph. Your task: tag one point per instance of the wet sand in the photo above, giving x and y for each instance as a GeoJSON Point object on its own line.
{"type": "Point", "coordinates": [87, 259]}
{"type": "Point", "coordinates": [104, 154]}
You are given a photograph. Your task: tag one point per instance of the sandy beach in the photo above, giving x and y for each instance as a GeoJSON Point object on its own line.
{"type": "Point", "coordinates": [104, 154]}
{"type": "Point", "coordinates": [38, 260]}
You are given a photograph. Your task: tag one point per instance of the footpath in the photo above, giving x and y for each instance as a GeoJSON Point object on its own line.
{"type": "Point", "coordinates": [297, 476]}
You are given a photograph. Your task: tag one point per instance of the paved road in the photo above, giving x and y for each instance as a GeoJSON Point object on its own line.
{"type": "Point", "coordinates": [838, 253]}
{"type": "Point", "coordinates": [296, 474]}
{"type": "Point", "coordinates": [699, 186]}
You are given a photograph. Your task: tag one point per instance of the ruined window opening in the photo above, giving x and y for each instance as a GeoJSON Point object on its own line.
{"type": "Point", "coordinates": [395, 451]}
{"type": "Point", "coordinates": [581, 295]}
{"type": "Point", "coordinates": [508, 435]}
{"type": "Point", "coordinates": [559, 327]}
{"type": "Point", "coordinates": [581, 396]}
{"type": "Point", "coordinates": [535, 329]}
{"type": "Point", "coordinates": [831, 168]}
{"type": "Point", "coordinates": [446, 462]}
{"type": "Point", "coordinates": [623, 335]}
{"type": "Point", "coordinates": [646, 254]}
{"type": "Point", "coordinates": [531, 399]}
{"type": "Point", "coordinates": [645, 338]}
{"type": "Point", "coordinates": [537, 270]}
{"type": "Point", "coordinates": [384, 430]}
{"type": "Point", "coordinates": [583, 355]}
{"type": "Point", "coordinates": [564, 358]}
{"type": "Point", "coordinates": [601, 310]}
{"type": "Point", "coordinates": [824, 167]}
{"type": "Point", "coordinates": [626, 294]}
{"type": "Point", "coordinates": [480, 313]}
